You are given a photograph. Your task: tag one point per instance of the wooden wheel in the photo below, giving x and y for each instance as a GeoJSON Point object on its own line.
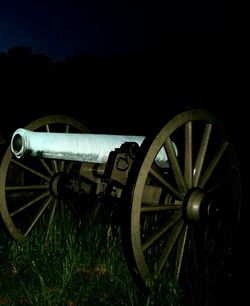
{"type": "Point", "coordinates": [27, 187]}
{"type": "Point", "coordinates": [183, 211]}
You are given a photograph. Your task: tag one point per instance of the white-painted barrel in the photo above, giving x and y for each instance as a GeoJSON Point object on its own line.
{"type": "Point", "coordinates": [71, 146]}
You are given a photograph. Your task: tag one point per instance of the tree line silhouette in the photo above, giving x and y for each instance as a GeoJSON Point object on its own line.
{"type": "Point", "coordinates": [117, 90]}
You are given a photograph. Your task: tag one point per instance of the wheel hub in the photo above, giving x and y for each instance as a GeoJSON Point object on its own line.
{"type": "Point", "coordinates": [63, 186]}
{"type": "Point", "coordinates": [199, 206]}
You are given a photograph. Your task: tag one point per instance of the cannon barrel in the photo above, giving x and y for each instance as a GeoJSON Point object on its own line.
{"type": "Point", "coordinates": [67, 146]}
{"type": "Point", "coordinates": [72, 146]}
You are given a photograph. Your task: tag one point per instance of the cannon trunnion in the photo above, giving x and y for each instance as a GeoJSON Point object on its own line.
{"type": "Point", "coordinates": [179, 189]}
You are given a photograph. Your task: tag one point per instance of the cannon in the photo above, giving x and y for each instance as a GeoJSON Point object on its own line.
{"type": "Point", "coordinates": [179, 191]}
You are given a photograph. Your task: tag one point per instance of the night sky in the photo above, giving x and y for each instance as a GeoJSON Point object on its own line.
{"type": "Point", "coordinates": [62, 29]}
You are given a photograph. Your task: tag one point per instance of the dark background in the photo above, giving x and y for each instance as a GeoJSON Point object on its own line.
{"type": "Point", "coordinates": [108, 58]}
{"type": "Point", "coordinates": [126, 67]}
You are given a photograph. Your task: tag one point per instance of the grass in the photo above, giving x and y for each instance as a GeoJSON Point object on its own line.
{"type": "Point", "coordinates": [77, 266]}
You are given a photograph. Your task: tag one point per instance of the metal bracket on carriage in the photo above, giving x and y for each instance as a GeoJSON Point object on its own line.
{"type": "Point", "coordinates": [110, 177]}
{"type": "Point", "coordinates": [119, 163]}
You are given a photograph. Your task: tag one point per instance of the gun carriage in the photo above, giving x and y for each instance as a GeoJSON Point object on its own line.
{"type": "Point", "coordinates": [179, 190]}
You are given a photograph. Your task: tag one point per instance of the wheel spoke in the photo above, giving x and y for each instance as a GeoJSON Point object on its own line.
{"type": "Point", "coordinates": [67, 128]}
{"type": "Point", "coordinates": [208, 172]}
{"type": "Point", "coordinates": [61, 166]}
{"type": "Point", "coordinates": [168, 144]}
{"type": "Point", "coordinates": [51, 217]}
{"type": "Point", "coordinates": [74, 211]}
{"type": "Point", "coordinates": [47, 129]}
{"type": "Point", "coordinates": [180, 250]}
{"type": "Point", "coordinates": [69, 166]}
{"type": "Point", "coordinates": [46, 178]}
{"type": "Point", "coordinates": [30, 203]}
{"type": "Point", "coordinates": [46, 166]}
{"type": "Point", "coordinates": [161, 231]}
{"type": "Point", "coordinates": [201, 154]}
{"type": "Point", "coordinates": [39, 214]}
{"type": "Point", "coordinates": [169, 246]}
{"type": "Point", "coordinates": [27, 187]}
{"type": "Point", "coordinates": [188, 155]}
{"type": "Point", "coordinates": [163, 180]}
{"type": "Point", "coordinates": [160, 207]}
{"type": "Point", "coordinates": [55, 165]}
